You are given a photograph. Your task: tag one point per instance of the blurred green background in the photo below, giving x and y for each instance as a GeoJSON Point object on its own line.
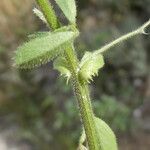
{"type": "Point", "coordinates": [37, 109]}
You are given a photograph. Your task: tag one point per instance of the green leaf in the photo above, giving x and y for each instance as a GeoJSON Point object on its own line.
{"type": "Point", "coordinates": [89, 65]}
{"type": "Point", "coordinates": [82, 147]}
{"type": "Point", "coordinates": [82, 138]}
{"type": "Point", "coordinates": [106, 136]}
{"type": "Point", "coordinates": [69, 9]}
{"type": "Point", "coordinates": [61, 65]}
{"type": "Point", "coordinates": [42, 49]}
{"type": "Point", "coordinates": [81, 141]}
{"type": "Point", "coordinates": [40, 15]}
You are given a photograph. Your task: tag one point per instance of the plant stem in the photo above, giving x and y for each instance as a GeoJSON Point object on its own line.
{"type": "Point", "coordinates": [82, 95]}
{"type": "Point", "coordinates": [49, 13]}
{"type": "Point", "coordinates": [80, 90]}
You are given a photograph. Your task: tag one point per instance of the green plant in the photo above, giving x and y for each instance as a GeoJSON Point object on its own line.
{"type": "Point", "coordinates": [58, 45]}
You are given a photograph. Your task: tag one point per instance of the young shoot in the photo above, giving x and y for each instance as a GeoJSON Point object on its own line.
{"type": "Point", "coordinates": [57, 45]}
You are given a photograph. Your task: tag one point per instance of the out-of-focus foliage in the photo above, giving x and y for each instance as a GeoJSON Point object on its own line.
{"type": "Point", "coordinates": [41, 105]}
{"type": "Point", "coordinates": [15, 19]}
{"type": "Point", "coordinates": [108, 108]}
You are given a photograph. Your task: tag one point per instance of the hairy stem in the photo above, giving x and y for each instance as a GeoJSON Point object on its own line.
{"type": "Point", "coordinates": [140, 30]}
{"type": "Point", "coordinates": [82, 95]}
{"type": "Point", "coordinates": [49, 13]}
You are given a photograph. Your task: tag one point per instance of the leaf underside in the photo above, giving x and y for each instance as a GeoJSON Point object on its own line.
{"type": "Point", "coordinates": [89, 65]}
{"type": "Point", "coordinates": [106, 136]}
{"type": "Point", "coordinates": [42, 49]}
{"type": "Point", "coordinates": [69, 9]}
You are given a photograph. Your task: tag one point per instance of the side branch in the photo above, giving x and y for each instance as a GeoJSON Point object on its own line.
{"type": "Point", "coordinates": [49, 13]}
{"type": "Point", "coordinates": [140, 30]}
